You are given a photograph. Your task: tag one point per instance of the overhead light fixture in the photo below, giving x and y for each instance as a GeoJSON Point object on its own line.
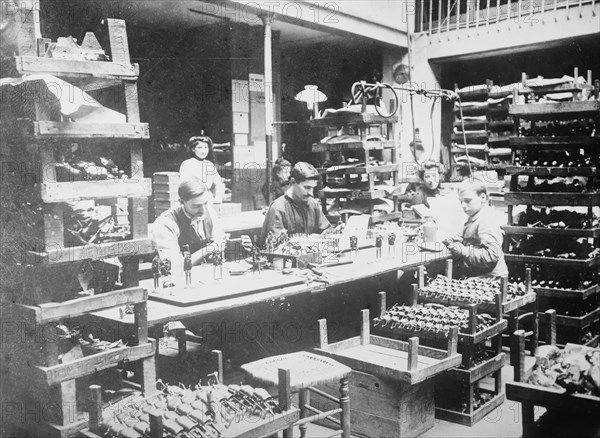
{"type": "Point", "coordinates": [311, 95]}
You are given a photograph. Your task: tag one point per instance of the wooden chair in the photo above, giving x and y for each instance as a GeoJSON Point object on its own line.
{"type": "Point", "coordinates": [300, 372]}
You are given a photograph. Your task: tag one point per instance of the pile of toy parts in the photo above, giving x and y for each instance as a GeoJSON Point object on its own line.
{"type": "Point", "coordinates": [575, 368]}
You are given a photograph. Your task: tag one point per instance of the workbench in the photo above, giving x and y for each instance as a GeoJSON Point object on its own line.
{"type": "Point", "coordinates": [283, 318]}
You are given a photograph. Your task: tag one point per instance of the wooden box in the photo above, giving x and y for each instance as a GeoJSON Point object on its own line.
{"type": "Point", "coordinates": [386, 408]}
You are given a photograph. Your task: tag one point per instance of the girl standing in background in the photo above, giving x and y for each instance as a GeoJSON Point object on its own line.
{"type": "Point", "coordinates": [200, 165]}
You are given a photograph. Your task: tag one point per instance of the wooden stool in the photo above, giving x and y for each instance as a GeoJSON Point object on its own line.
{"type": "Point", "coordinates": [300, 372]}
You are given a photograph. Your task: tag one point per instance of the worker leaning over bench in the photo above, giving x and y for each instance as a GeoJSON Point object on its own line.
{"type": "Point", "coordinates": [296, 210]}
{"type": "Point", "coordinates": [194, 222]}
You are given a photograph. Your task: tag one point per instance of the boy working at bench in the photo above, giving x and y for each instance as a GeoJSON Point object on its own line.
{"type": "Point", "coordinates": [478, 252]}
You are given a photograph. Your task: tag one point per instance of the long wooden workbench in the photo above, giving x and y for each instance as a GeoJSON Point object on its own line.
{"type": "Point", "coordinates": [283, 318]}
{"type": "Point", "coordinates": [364, 265]}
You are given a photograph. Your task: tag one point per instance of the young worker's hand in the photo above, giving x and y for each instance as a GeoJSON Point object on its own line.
{"type": "Point", "coordinates": [246, 242]}
{"type": "Point", "coordinates": [457, 249]}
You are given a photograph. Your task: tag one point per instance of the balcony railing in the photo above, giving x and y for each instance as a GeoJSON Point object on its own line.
{"type": "Point", "coordinates": [438, 16]}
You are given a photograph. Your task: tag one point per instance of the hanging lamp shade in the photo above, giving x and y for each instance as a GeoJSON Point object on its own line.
{"type": "Point", "coordinates": [312, 96]}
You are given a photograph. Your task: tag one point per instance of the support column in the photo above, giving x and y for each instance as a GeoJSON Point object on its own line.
{"type": "Point", "coordinates": [267, 19]}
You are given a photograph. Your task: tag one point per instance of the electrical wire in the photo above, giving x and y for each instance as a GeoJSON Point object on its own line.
{"type": "Point", "coordinates": [362, 89]}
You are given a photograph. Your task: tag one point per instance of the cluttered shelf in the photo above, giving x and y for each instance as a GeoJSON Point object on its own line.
{"type": "Point", "coordinates": [350, 119]}
{"type": "Point", "coordinates": [560, 140]}
{"type": "Point", "coordinates": [46, 129]}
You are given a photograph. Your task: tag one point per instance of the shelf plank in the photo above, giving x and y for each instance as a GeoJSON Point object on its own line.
{"type": "Point", "coordinates": [469, 135]}
{"type": "Point", "coordinates": [555, 110]}
{"type": "Point", "coordinates": [352, 119]}
{"type": "Point", "coordinates": [580, 263]}
{"type": "Point", "coordinates": [551, 171]}
{"type": "Point", "coordinates": [578, 321]}
{"type": "Point", "coordinates": [366, 145]}
{"type": "Point", "coordinates": [124, 248]}
{"type": "Point", "coordinates": [573, 232]}
{"type": "Point", "coordinates": [77, 190]}
{"type": "Point", "coordinates": [472, 150]}
{"type": "Point", "coordinates": [49, 312]}
{"type": "Point", "coordinates": [500, 124]}
{"type": "Point", "coordinates": [90, 75]}
{"type": "Point", "coordinates": [498, 138]}
{"type": "Point", "coordinates": [470, 124]}
{"type": "Point", "coordinates": [574, 294]}
{"type": "Point", "coordinates": [384, 168]}
{"type": "Point", "coordinates": [575, 140]}
{"type": "Point", "coordinates": [96, 362]}
{"type": "Point", "coordinates": [552, 198]}
{"type": "Point", "coordinates": [478, 166]}
{"type": "Point", "coordinates": [47, 129]}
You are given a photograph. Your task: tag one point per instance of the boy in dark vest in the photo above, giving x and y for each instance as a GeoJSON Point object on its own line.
{"type": "Point", "coordinates": [194, 223]}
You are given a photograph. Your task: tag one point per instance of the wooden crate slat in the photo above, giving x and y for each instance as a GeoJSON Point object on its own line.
{"type": "Point", "coordinates": [575, 140]}
{"type": "Point", "coordinates": [94, 363]}
{"type": "Point", "coordinates": [574, 232]}
{"type": "Point", "coordinates": [578, 321]}
{"type": "Point", "coordinates": [553, 110]}
{"type": "Point", "coordinates": [467, 419]}
{"type": "Point", "coordinates": [366, 145]}
{"type": "Point", "coordinates": [580, 263]}
{"type": "Point", "coordinates": [77, 190]}
{"type": "Point", "coordinates": [567, 293]}
{"type": "Point", "coordinates": [45, 313]}
{"type": "Point", "coordinates": [551, 198]}
{"type": "Point", "coordinates": [124, 248]}
{"type": "Point", "coordinates": [480, 371]}
{"type": "Point", "coordinates": [49, 129]}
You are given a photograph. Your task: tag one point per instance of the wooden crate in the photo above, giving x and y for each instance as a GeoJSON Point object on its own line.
{"type": "Point", "coordinates": [391, 386]}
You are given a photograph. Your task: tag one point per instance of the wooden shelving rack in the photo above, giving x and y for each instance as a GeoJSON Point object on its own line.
{"type": "Point", "coordinates": [361, 123]}
{"type": "Point", "coordinates": [42, 367]}
{"type": "Point", "coordinates": [582, 300]}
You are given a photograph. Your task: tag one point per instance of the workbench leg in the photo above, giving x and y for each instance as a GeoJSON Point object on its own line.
{"type": "Point", "coordinates": [528, 420]}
